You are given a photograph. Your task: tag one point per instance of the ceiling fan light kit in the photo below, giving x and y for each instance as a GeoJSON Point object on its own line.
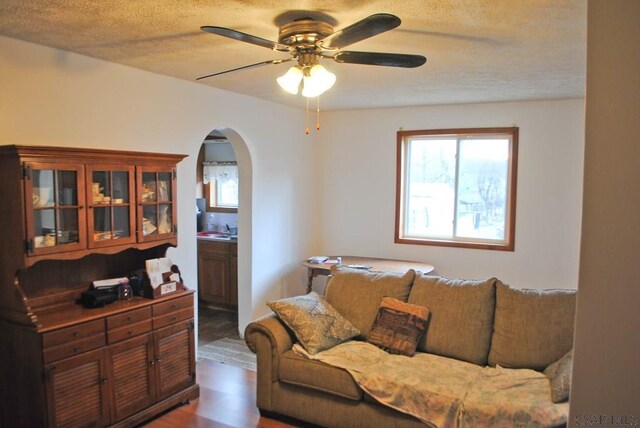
{"type": "Point", "coordinates": [308, 40]}
{"type": "Point", "coordinates": [315, 80]}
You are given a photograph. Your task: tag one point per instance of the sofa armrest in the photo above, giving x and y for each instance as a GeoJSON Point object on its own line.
{"type": "Point", "coordinates": [268, 338]}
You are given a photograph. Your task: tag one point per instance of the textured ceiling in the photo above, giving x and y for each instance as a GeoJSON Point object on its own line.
{"type": "Point", "coordinates": [477, 50]}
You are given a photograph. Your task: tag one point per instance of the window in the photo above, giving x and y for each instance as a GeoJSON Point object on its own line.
{"type": "Point", "coordinates": [457, 187]}
{"type": "Point", "coordinates": [221, 186]}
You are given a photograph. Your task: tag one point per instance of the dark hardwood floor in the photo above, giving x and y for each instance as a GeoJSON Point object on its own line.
{"type": "Point", "coordinates": [227, 393]}
{"type": "Point", "coordinates": [214, 324]}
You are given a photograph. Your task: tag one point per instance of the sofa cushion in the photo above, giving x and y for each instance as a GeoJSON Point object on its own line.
{"type": "Point", "coordinates": [301, 371]}
{"type": "Point", "coordinates": [461, 316]}
{"type": "Point", "coordinates": [398, 326]}
{"type": "Point", "coordinates": [532, 328]}
{"type": "Point", "coordinates": [357, 294]}
{"type": "Point", "coordinates": [316, 324]}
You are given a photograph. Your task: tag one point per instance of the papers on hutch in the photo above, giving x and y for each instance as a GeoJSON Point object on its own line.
{"type": "Point", "coordinates": [161, 278]}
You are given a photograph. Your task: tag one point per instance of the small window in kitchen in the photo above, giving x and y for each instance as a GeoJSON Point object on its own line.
{"type": "Point", "coordinates": [221, 186]}
{"type": "Point", "coordinates": [457, 188]}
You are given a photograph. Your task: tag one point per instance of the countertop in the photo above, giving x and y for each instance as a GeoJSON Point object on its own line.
{"type": "Point", "coordinates": [217, 236]}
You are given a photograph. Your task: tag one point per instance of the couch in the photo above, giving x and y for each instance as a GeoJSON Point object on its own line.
{"type": "Point", "coordinates": [481, 339]}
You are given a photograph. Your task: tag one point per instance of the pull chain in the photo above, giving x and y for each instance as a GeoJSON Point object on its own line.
{"type": "Point", "coordinates": [306, 119]}
{"type": "Point", "coordinates": [318, 113]}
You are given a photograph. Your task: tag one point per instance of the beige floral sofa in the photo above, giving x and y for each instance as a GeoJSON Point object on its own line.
{"type": "Point", "coordinates": [487, 355]}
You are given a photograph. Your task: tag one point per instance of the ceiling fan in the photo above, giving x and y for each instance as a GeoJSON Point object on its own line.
{"type": "Point", "coordinates": [309, 40]}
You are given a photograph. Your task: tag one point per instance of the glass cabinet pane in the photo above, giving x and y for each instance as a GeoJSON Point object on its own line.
{"type": "Point", "coordinates": [148, 187]}
{"type": "Point", "coordinates": [149, 220]}
{"type": "Point", "coordinates": [164, 219]}
{"type": "Point", "coordinates": [67, 226]}
{"type": "Point", "coordinates": [121, 222]}
{"type": "Point", "coordinates": [66, 188]}
{"type": "Point", "coordinates": [101, 223]}
{"type": "Point", "coordinates": [120, 187]}
{"type": "Point", "coordinates": [42, 190]}
{"type": "Point", "coordinates": [164, 187]}
{"type": "Point", "coordinates": [44, 225]}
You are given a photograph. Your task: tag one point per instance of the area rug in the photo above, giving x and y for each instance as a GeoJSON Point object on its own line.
{"type": "Point", "coordinates": [229, 351]}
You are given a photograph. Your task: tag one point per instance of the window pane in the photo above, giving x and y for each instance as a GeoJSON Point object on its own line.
{"type": "Point", "coordinates": [227, 193]}
{"type": "Point", "coordinates": [482, 188]}
{"type": "Point", "coordinates": [430, 187]}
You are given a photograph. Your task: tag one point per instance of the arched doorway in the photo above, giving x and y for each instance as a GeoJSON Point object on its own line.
{"type": "Point", "coordinates": [230, 147]}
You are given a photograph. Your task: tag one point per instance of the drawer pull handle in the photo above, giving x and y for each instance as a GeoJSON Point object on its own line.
{"type": "Point", "coordinates": [174, 318]}
{"type": "Point", "coordinates": [130, 332]}
{"type": "Point", "coordinates": [75, 333]}
{"type": "Point", "coordinates": [173, 306]}
{"type": "Point", "coordinates": [76, 349]}
{"type": "Point", "coordinates": [129, 319]}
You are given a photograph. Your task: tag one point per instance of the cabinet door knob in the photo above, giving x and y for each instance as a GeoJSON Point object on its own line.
{"type": "Point", "coordinates": [152, 362]}
{"type": "Point", "coordinates": [104, 380]}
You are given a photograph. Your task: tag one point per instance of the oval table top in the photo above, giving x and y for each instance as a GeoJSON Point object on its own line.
{"type": "Point", "coordinates": [369, 264]}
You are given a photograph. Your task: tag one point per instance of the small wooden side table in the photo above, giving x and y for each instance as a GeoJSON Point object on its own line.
{"type": "Point", "coordinates": [375, 265]}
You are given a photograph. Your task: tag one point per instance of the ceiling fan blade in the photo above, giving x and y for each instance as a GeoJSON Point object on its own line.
{"type": "Point", "coordinates": [379, 58]}
{"type": "Point", "coordinates": [243, 37]}
{"type": "Point", "coordinates": [368, 27]}
{"type": "Point", "coordinates": [257, 64]}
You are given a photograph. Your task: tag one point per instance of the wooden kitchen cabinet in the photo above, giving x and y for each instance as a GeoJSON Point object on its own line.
{"type": "Point", "coordinates": [218, 273]}
{"type": "Point", "coordinates": [69, 217]}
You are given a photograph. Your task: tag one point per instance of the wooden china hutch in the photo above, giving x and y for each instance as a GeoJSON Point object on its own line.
{"type": "Point", "coordinates": [69, 217]}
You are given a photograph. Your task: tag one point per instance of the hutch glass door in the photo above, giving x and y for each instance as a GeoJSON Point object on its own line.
{"type": "Point", "coordinates": [55, 208]}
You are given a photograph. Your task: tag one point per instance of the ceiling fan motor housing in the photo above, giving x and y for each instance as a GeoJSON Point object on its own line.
{"type": "Point", "coordinates": [303, 34]}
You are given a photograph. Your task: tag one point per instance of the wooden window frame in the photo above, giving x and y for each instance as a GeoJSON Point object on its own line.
{"type": "Point", "coordinates": [209, 207]}
{"type": "Point", "coordinates": [510, 224]}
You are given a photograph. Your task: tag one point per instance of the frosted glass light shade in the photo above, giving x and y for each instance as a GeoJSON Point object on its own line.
{"type": "Point", "coordinates": [290, 81]}
{"type": "Point", "coordinates": [318, 81]}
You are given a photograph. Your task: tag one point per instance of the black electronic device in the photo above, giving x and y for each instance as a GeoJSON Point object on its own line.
{"type": "Point", "coordinates": [98, 297]}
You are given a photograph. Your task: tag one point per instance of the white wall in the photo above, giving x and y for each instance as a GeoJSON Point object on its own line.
{"type": "Point", "coordinates": [356, 186]}
{"type": "Point", "coordinates": [57, 98]}
{"type": "Point", "coordinates": [606, 370]}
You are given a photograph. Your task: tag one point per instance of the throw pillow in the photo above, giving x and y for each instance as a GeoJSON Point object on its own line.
{"type": "Point", "coordinates": [316, 324]}
{"type": "Point", "coordinates": [398, 326]}
{"type": "Point", "coordinates": [357, 294]}
{"type": "Point", "coordinates": [559, 374]}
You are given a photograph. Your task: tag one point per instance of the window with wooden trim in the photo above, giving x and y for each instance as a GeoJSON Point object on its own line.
{"type": "Point", "coordinates": [457, 187]}
{"type": "Point", "coordinates": [221, 186]}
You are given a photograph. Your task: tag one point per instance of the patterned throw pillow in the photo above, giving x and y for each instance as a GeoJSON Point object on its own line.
{"type": "Point", "coordinates": [559, 374]}
{"type": "Point", "coordinates": [316, 324]}
{"type": "Point", "coordinates": [398, 326]}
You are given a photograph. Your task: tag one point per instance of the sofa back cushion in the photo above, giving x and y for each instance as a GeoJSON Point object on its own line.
{"type": "Point", "coordinates": [461, 316]}
{"type": "Point", "coordinates": [356, 294]}
{"type": "Point", "coordinates": [532, 328]}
